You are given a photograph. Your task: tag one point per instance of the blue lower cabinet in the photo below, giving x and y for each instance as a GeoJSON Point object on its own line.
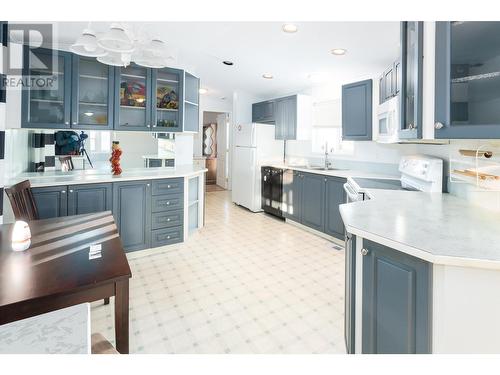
{"type": "Point", "coordinates": [51, 201]}
{"type": "Point", "coordinates": [350, 293]}
{"type": "Point", "coordinates": [335, 195]}
{"type": "Point", "coordinates": [396, 302]}
{"type": "Point", "coordinates": [292, 195]}
{"type": "Point", "coordinates": [89, 198]}
{"type": "Point", "coordinates": [132, 212]}
{"type": "Point", "coordinates": [167, 236]}
{"type": "Point", "coordinates": [313, 201]}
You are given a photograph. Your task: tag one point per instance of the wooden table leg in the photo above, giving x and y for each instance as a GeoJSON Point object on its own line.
{"type": "Point", "coordinates": [121, 316]}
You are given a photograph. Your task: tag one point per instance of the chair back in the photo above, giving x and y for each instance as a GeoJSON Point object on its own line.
{"type": "Point", "coordinates": [22, 201]}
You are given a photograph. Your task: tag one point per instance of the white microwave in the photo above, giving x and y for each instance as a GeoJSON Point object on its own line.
{"type": "Point", "coordinates": [388, 121]}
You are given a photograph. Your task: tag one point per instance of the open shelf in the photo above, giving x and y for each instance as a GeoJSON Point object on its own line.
{"type": "Point", "coordinates": [191, 103]}
{"type": "Point", "coordinates": [167, 80]}
{"type": "Point", "coordinates": [46, 100]}
{"type": "Point", "coordinates": [132, 107]}
{"type": "Point", "coordinates": [93, 104]}
{"type": "Point", "coordinates": [132, 76]}
{"type": "Point", "coordinates": [167, 109]}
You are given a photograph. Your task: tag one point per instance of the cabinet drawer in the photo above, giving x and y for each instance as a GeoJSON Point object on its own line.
{"type": "Point", "coordinates": [168, 186]}
{"type": "Point", "coordinates": [167, 219]}
{"type": "Point", "coordinates": [162, 203]}
{"type": "Point", "coordinates": [161, 237]}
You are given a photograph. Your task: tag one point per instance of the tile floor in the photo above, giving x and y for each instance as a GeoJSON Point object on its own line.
{"type": "Point", "coordinates": [245, 283]}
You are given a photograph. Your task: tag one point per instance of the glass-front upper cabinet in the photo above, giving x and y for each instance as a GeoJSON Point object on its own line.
{"type": "Point", "coordinates": [411, 79]}
{"type": "Point", "coordinates": [133, 98]}
{"type": "Point", "coordinates": [467, 80]}
{"type": "Point", "coordinates": [168, 102]}
{"type": "Point", "coordinates": [92, 94]}
{"type": "Point", "coordinates": [47, 100]}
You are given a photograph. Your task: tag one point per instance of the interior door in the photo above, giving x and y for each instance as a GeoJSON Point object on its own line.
{"type": "Point", "coordinates": [222, 150]}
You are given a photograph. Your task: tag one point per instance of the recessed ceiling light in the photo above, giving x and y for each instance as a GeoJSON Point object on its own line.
{"type": "Point", "coordinates": [202, 90]}
{"type": "Point", "coordinates": [228, 63]}
{"type": "Point", "coordinates": [289, 28]}
{"type": "Point", "coordinates": [338, 51]}
{"type": "Point", "coordinates": [267, 76]}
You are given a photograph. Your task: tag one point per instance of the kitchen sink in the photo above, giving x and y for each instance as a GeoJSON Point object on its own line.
{"type": "Point", "coordinates": [326, 169]}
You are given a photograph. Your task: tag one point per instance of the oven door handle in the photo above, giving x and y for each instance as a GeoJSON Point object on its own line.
{"type": "Point", "coordinates": [351, 194]}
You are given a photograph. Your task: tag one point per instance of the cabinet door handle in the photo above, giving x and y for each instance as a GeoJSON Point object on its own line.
{"type": "Point", "coordinates": [168, 186]}
{"type": "Point", "coordinates": [168, 203]}
{"type": "Point", "coordinates": [148, 185]}
{"type": "Point", "coordinates": [70, 191]}
{"type": "Point", "coordinates": [63, 191]}
{"type": "Point", "coordinates": [364, 251]}
{"type": "Point", "coordinates": [148, 126]}
{"type": "Point", "coordinates": [168, 219]}
{"type": "Point", "coordinates": [438, 125]}
{"type": "Point", "coordinates": [168, 237]}
{"type": "Point", "coordinates": [74, 123]}
{"type": "Point", "coordinates": [66, 123]}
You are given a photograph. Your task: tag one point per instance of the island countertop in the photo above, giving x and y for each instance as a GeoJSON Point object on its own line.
{"type": "Point", "coordinates": [439, 228]}
{"type": "Point", "coordinates": [94, 176]}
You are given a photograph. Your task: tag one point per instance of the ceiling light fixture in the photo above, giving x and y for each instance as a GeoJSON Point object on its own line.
{"type": "Point", "coordinates": [228, 63]}
{"type": "Point", "coordinates": [289, 28]}
{"type": "Point", "coordinates": [115, 59]}
{"type": "Point", "coordinates": [338, 51]}
{"type": "Point", "coordinates": [267, 76]}
{"type": "Point", "coordinates": [202, 90]}
{"type": "Point", "coordinates": [86, 45]}
{"type": "Point", "coordinates": [116, 40]}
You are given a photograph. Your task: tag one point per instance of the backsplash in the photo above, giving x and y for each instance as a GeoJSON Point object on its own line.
{"type": "Point", "coordinates": [384, 158]}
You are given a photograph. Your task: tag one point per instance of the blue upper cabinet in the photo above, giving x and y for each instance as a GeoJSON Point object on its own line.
{"type": "Point", "coordinates": [167, 94]}
{"type": "Point", "coordinates": [411, 80]}
{"type": "Point", "coordinates": [191, 111]}
{"type": "Point", "coordinates": [92, 94]}
{"type": "Point", "coordinates": [133, 98]}
{"type": "Point", "coordinates": [47, 106]}
{"type": "Point", "coordinates": [467, 80]}
{"type": "Point", "coordinates": [357, 113]}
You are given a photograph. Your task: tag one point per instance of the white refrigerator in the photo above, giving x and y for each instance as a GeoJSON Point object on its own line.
{"type": "Point", "coordinates": [253, 146]}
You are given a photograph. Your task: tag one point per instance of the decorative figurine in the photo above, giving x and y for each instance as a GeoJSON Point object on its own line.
{"type": "Point", "coordinates": [115, 158]}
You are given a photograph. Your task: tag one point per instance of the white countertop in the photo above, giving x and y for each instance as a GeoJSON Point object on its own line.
{"type": "Point", "coordinates": [439, 228]}
{"type": "Point", "coordinates": [94, 176]}
{"type": "Point", "coordinates": [344, 173]}
{"type": "Point", "coordinates": [65, 331]}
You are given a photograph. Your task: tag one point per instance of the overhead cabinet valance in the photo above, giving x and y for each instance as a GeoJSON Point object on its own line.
{"type": "Point", "coordinates": [90, 95]}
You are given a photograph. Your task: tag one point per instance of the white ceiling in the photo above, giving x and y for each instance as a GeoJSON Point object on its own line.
{"type": "Point", "coordinates": [262, 47]}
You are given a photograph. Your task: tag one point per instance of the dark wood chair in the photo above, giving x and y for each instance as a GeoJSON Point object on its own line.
{"type": "Point", "coordinates": [22, 201]}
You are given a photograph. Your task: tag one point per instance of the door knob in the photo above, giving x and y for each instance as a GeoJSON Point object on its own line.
{"type": "Point", "coordinates": [364, 251]}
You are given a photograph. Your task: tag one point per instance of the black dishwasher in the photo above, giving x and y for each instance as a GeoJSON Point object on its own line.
{"type": "Point", "coordinates": [272, 190]}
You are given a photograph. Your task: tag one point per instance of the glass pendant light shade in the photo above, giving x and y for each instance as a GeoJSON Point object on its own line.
{"type": "Point", "coordinates": [116, 40]}
{"type": "Point", "coordinates": [86, 45]}
{"type": "Point", "coordinates": [115, 59]}
{"type": "Point", "coordinates": [152, 55]}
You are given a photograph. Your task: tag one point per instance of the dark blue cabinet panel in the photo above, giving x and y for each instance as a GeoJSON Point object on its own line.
{"type": "Point", "coordinates": [292, 195]}
{"type": "Point", "coordinates": [51, 201]}
{"type": "Point", "coordinates": [132, 212]}
{"type": "Point", "coordinates": [396, 302]}
{"type": "Point", "coordinates": [411, 80]}
{"type": "Point", "coordinates": [92, 94]}
{"type": "Point", "coordinates": [264, 112]}
{"type": "Point", "coordinates": [467, 80]}
{"type": "Point", "coordinates": [133, 98]}
{"type": "Point", "coordinates": [167, 99]}
{"type": "Point", "coordinates": [49, 105]}
{"type": "Point", "coordinates": [357, 114]}
{"type": "Point", "coordinates": [335, 195]}
{"type": "Point", "coordinates": [350, 293]}
{"type": "Point", "coordinates": [89, 198]}
{"type": "Point", "coordinates": [313, 201]}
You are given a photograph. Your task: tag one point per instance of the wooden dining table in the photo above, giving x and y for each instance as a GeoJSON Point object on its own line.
{"type": "Point", "coordinates": [56, 271]}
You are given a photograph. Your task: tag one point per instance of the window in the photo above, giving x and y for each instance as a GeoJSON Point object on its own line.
{"type": "Point", "coordinates": [327, 128]}
{"type": "Point", "coordinates": [99, 141]}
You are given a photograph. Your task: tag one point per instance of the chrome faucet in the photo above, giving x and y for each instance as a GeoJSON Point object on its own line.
{"type": "Point", "coordinates": [328, 164]}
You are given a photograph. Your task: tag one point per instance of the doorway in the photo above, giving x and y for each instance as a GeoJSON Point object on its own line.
{"type": "Point", "coordinates": [215, 149]}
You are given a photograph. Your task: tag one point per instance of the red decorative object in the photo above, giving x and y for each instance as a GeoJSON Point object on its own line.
{"type": "Point", "coordinates": [115, 158]}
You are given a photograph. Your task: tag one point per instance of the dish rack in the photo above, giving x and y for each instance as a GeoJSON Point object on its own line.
{"type": "Point", "coordinates": [478, 165]}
